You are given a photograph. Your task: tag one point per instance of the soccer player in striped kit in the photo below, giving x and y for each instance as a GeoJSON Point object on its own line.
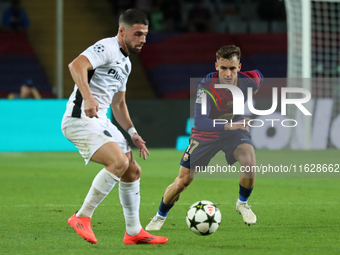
{"type": "Point", "coordinates": [207, 139]}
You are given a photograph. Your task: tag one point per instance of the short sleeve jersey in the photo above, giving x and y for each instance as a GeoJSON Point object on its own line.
{"type": "Point", "coordinates": [111, 69]}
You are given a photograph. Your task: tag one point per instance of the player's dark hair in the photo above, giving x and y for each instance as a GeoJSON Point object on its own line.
{"type": "Point", "coordinates": [228, 52]}
{"type": "Point", "coordinates": [133, 16]}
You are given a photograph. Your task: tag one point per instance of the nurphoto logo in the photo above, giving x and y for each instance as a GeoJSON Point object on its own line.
{"type": "Point", "coordinates": [238, 104]}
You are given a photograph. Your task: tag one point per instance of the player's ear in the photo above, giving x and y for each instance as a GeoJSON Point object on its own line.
{"type": "Point", "coordinates": [239, 67]}
{"type": "Point", "coordinates": [216, 66]}
{"type": "Point", "coordinates": [121, 31]}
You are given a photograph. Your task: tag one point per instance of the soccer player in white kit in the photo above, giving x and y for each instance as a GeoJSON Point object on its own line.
{"type": "Point", "coordinates": [100, 74]}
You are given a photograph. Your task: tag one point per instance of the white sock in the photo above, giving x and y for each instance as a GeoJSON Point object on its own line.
{"type": "Point", "coordinates": [102, 184]}
{"type": "Point", "coordinates": [158, 215]}
{"type": "Point", "coordinates": [241, 202]}
{"type": "Point", "coordinates": [129, 194]}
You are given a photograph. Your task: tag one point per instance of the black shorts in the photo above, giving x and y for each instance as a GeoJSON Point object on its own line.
{"type": "Point", "coordinates": [199, 153]}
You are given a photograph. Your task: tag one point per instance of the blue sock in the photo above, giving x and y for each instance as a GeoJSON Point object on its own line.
{"type": "Point", "coordinates": [164, 209]}
{"type": "Point", "coordinates": [244, 193]}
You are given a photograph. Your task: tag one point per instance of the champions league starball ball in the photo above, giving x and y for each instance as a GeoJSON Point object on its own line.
{"type": "Point", "coordinates": [203, 218]}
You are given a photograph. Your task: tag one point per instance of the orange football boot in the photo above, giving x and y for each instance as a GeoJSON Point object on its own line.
{"type": "Point", "coordinates": [144, 237]}
{"type": "Point", "coordinates": [82, 225]}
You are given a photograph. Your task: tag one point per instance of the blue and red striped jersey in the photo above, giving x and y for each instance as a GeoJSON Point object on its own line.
{"type": "Point", "coordinates": [220, 103]}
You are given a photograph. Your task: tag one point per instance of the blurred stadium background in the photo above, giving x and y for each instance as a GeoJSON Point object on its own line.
{"type": "Point", "coordinates": [184, 36]}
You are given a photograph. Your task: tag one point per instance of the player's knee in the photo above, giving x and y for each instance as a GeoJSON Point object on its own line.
{"type": "Point", "coordinates": [123, 164]}
{"type": "Point", "coordinates": [133, 172]}
{"type": "Point", "coordinates": [245, 156]}
{"type": "Point", "coordinates": [251, 160]}
{"type": "Point", "coordinates": [138, 171]}
{"type": "Point", "coordinates": [248, 160]}
{"type": "Point", "coordinates": [180, 187]}
{"type": "Point", "coordinates": [119, 166]}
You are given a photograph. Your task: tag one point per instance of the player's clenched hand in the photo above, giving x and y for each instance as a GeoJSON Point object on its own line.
{"type": "Point", "coordinates": [91, 107]}
{"type": "Point", "coordinates": [241, 124]}
{"type": "Point", "coordinates": [140, 144]}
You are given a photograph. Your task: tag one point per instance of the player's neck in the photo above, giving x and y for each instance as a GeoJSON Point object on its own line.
{"type": "Point", "coordinates": [123, 45]}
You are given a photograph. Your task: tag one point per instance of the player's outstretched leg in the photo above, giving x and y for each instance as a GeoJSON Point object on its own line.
{"type": "Point", "coordinates": [171, 195]}
{"type": "Point", "coordinates": [102, 184]}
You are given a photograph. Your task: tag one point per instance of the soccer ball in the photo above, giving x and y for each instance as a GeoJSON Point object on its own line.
{"type": "Point", "coordinates": [203, 218]}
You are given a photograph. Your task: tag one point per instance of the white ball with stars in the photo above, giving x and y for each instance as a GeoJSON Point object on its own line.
{"type": "Point", "coordinates": [203, 218]}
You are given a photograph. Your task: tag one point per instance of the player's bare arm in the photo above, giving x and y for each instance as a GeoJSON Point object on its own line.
{"type": "Point", "coordinates": [78, 68]}
{"type": "Point", "coordinates": [121, 114]}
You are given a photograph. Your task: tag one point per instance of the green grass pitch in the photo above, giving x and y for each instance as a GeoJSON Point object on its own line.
{"type": "Point", "coordinates": [40, 191]}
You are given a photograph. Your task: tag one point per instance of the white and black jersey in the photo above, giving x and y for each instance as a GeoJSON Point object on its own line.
{"type": "Point", "coordinates": [111, 69]}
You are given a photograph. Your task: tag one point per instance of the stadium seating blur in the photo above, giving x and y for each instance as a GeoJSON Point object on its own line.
{"type": "Point", "coordinates": [169, 59]}
{"type": "Point", "coordinates": [258, 27]}
{"type": "Point", "coordinates": [193, 56]}
{"type": "Point", "coordinates": [18, 63]}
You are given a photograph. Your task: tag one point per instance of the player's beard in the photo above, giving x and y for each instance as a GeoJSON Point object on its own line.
{"type": "Point", "coordinates": [133, 50]}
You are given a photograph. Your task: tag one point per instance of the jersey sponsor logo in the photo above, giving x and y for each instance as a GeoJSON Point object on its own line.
{"type": "Point", "coordinates": [107, 133]}
{"type": "Point", "coordinates": [99, 48]}
{"type": "Point", "coordinates": [116, 75]}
